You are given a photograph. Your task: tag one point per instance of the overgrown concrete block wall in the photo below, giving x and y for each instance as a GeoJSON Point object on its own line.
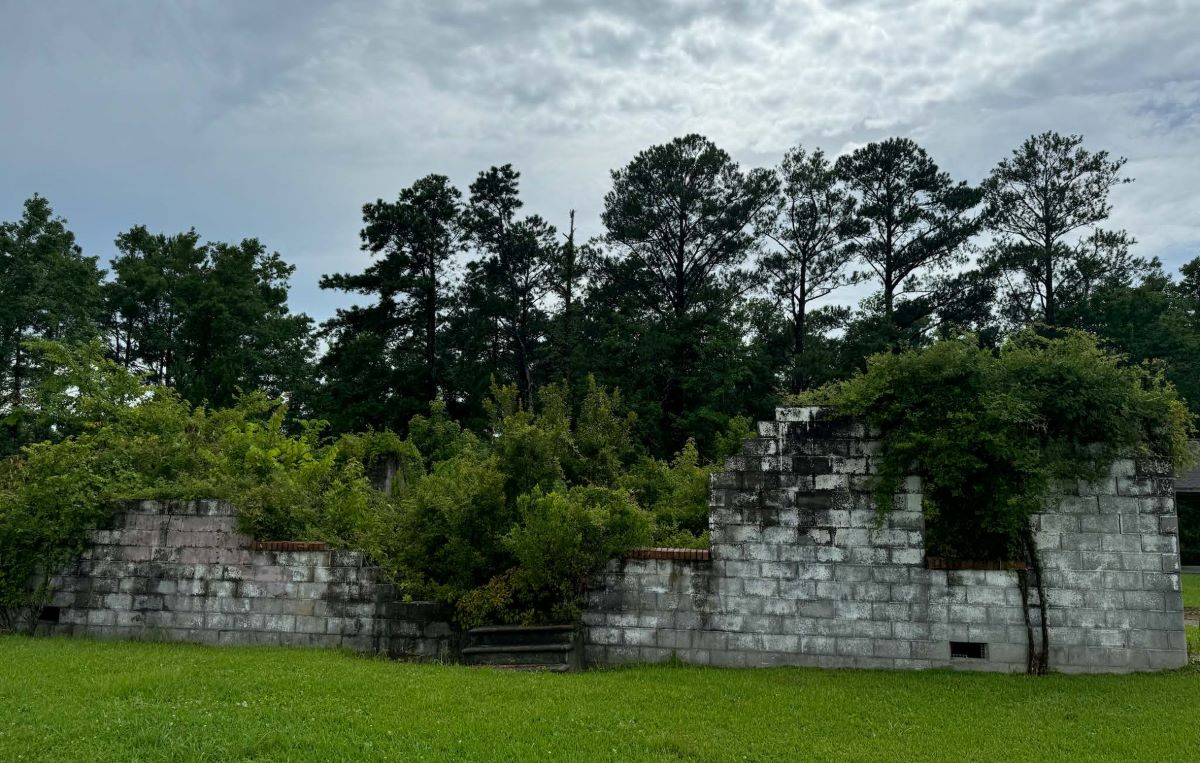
{"type": "Point", "coordinates": [180, 570]}
{"type": "Point", "coordinates": [802, 573]}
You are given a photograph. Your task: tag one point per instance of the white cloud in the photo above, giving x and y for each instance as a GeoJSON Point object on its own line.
{"type": "Point", "coordinates": [280, 119]}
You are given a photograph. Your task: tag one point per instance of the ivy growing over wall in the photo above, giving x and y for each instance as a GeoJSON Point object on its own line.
{"type": "Point", "coordinates": [995, 434]}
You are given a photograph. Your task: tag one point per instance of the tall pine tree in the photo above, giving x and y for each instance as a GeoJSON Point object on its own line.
{"type": "Point", "coordinates": [915, 223]}
{"type": "Point", "coordinates": [1043, 206]}
{"type": "Point", "coordinates": [678, 220]}
{"type": "Point", "coordinates": [386, 360]}
{"type": "Point", "coordinates": [811, 225]}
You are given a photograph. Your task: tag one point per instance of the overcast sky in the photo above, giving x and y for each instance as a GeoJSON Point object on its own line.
{"type": "Point", "coordinates": [280, 119]}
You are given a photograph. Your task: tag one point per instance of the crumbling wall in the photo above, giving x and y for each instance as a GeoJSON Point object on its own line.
{"type": "Point", "coordinates": [181, 570]}
{"type": "Point", "coordinates": [802, 572]}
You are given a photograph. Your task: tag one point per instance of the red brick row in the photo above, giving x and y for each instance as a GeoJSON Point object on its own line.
{"type": "Point", "coordinates": [685, 554]}
{"type": "Point", "coordinates": [289, 545]}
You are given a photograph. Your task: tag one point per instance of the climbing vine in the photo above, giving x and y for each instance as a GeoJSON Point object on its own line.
{"type": "Point", "coordinates": [996, 434]}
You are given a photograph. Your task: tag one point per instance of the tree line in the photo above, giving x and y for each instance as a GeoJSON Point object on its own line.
{"type": "Point", "coordinates": [706, 298]}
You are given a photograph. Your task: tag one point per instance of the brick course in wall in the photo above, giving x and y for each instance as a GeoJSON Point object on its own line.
{"type": "Point", "coordinates": [803, 571]}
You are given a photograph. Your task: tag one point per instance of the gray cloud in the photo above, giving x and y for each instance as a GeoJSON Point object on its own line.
{"type": "Point", "coordinates": [279, 119]}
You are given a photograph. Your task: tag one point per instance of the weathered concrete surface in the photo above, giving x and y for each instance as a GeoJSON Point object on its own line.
{"type": "Point", "coordinates": [803, 574]}
{"type": "Point", "coordinates": [180, 570]}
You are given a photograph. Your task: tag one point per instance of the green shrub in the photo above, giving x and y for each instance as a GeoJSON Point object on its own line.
{"type": "Point", "coordinates": [118, 438]}
{"type": "Point", "coordinates": [452, 521]}
{"type": "Point", "coordinates": [992, 434]}
{"type": "Point", "coordinates": [506, 526]}
{"type": "Point", "coordinates": [562, 537]}
{"type": "Point", "coordinates": [675, 494]}
{"type": "Point", "coordinates": [50, 496]}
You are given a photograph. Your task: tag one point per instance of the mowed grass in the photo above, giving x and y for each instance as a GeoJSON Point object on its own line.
{"type": "Point", "coordinates": [82, 700]}
{"type": "Point", "coordinates": [1191, 591]}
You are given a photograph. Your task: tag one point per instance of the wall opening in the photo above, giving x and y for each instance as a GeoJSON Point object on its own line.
{"type": "Point", "coordinates": [968, 650]}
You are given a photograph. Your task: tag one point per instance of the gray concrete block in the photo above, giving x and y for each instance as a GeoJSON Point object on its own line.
{"type": "Point", "coordinates": [867, 555]}
{"type": "Point", "coordinates": [1101, 560]}
{"type": "Point", "coordinates": [911, 631]}
{"type": "Point", "coordinates": [907, 556]}
{"type": "Point", "coordinates": [639, 637]}
{"type": "Point", "coordinates": [1166, 660]}
{"type": "Point", "coordinates": [1086, 502]}
{"type": "Point", "coordinates": [893, 648]}
{"type": "Point", "coordinates": [820, 645]}
{"type": "Point", "coordinates": [1160, 581]}
{"type": "Point", "coordinates": [761, 587]}
{"type": "Point", "coordinates": [831, 554]}
{"type": "Point", "coordinates": [279, 623]}
{"type": "Point", "coordinates": [855, 647]}
{"type": "Point", "coordinates": [960, 613]}
{"type": "Point", "coordinates": [816, 609]}
{"type": "Point", "coordinates": [948, 594]}
{"type": "Point", "coordinates": [1005, 615]}
{"type": "Point", "coordinates": [1060, 523]}
{"type": "Point", "coordinates": [1164, 544]}
{"type": "Point", "coordinates": [987, 633]}
{"type": "Point", "coordinates": [985, 595]}
{"type": "Point", "coordinates": [869, 629]}
{"type": "Point", "coordinates": [779, 569]}
{"type": "Point", "coordinates": [1101, 523]}
{"type": "Point", "coordinates": [853, 609]}
{"type": "Point", "coordinates": [711, 641]}
{"type": "Point", "coordinates": [1081, 541]}
{"type": "Point", "coordinates": [870, 592]}
{"type": "Point", "coordinates": [891, 612]}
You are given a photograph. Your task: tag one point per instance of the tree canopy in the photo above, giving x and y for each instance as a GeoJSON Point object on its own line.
{"type": "Point", "coordinates": [712, 290]}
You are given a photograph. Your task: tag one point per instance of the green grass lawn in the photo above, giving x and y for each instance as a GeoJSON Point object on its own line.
{"type": "Point", "coordinates": [1191, 591]}
{"type": "Point", "coordinates": [83, 700]}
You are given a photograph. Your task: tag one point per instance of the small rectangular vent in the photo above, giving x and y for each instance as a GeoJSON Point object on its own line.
{"type": "Point", "coordinates": [968, 650]}
{"type": "Point", "coordinates": [49, 615]}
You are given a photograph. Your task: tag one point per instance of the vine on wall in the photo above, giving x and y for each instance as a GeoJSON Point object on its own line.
{"type": "Point", "coordinates": [994, 433]}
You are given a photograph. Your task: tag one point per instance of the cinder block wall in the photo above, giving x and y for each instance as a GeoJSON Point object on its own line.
{"type": "Point", "coordinates": [180, 570]}
{"type": "Point", "coordinates": [801, 573]}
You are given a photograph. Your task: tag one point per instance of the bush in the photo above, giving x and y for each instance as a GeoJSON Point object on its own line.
{"type": "Point", "coordinates": [992, 433]}
{"type": "Point", "coordinates": [676, 494]}
{"type": "Point", "coordinates": [117, 439]}
{"type": "Point", "coordinates": [506, 526]}
{"type": "Point", "coordinates": [50, 496]}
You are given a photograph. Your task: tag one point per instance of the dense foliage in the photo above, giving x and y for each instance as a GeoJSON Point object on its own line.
{"type": "Point", "coordinates": [509, 524]}
{"type": "Point", "coordinates": [992, 433]}
{"type": "Point", "coordinates": [711, 288]}
{"type": "Point", "coordinates": [469, 383]}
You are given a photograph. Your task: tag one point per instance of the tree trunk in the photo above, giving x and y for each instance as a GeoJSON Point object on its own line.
{"type": "Point", "coordinates": [1048, 268]}
{"type": "Point", "coordinates": [521, 353]}
{"type": "Point", "coordinates": [568, 317]}
{"type": "Point", "coordinates": [431, 390]}
{"type": "Point", "coordinates": [799, 317]}
{"type": "Point", "coordinates": [16, 390]}
{"type": "Point", "coordinates": [1038, 658]}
